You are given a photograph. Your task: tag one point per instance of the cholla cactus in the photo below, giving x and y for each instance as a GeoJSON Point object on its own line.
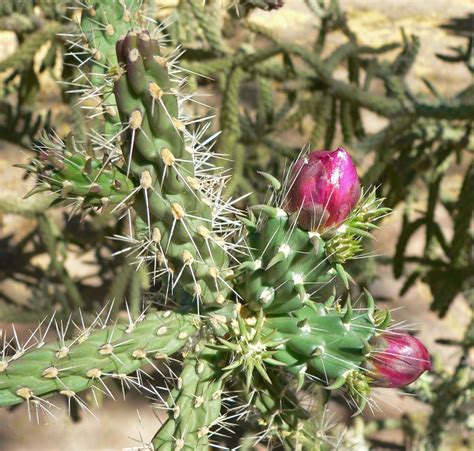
{"type": "Point", "coordinates": [249, 315]}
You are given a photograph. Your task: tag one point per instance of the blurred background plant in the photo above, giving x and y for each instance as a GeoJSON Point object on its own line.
{"type": "Point", "coordinates": [273, 95]}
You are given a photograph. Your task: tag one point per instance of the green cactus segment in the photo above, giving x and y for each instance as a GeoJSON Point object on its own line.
{"type": "Point", "coordinates": [287, 267]}
{"type": "Point", "coordinates": [328, 344]}
{"type": "Point", "coordinates": [194, 407]}
{"type": "Point", "coordinates": [72, 366]}
{"type": "Point", "coordinates": [79, 178]}
{"type": "Point", "coordinates": [103, 23]}
{"type": "Point", "coordinates": [178, 214]}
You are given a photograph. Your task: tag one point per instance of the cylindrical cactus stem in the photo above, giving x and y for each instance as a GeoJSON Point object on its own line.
{"type": "Point", "coordinates": [180, 216]}
{"type": "Point", "coordinates": [194, 406]}
{"type": "Point", "coordinates": [103, 23]}
{"type": "Point", "coordinates": [326, 344]}
{"type": "Point", "coordinates": [96, 353]}
{"type": "Point", "coordinates": [283, 418]}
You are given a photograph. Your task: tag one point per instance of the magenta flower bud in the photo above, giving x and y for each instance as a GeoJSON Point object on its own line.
{"type": "Point", "coordinates": [324, 189]}
{"type": "Point", "coordinates": [397, 359]}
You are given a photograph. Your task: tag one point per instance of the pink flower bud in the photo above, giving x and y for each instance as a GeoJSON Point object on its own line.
{"type": "Point", "coordinates": [397, 359]}
{"type": "Point", "coordinates": [324, 189]}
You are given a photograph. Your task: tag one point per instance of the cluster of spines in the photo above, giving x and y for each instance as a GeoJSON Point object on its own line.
{"type": "Point", "coordinates": [344, 243]}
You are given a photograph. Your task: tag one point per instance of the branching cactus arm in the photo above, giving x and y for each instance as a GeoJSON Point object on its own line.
{"type": "Point", "coordinates": [71, 366]}
{"type": "Point", "coordinates": [66, 169]}
{"type": "Point", "coordinates": [195, 404]}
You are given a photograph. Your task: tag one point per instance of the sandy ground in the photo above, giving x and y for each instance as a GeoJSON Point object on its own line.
{"type": "Point", "coordinates": [376, 22]}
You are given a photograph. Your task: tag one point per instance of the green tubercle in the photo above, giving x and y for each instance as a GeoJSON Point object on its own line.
{"type": "Point", "coordinates": [286, 268]}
